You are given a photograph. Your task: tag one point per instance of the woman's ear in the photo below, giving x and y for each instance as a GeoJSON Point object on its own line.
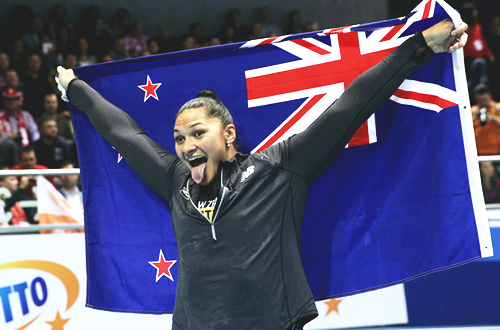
{"type": "Point", "coordinates": [230, 133]}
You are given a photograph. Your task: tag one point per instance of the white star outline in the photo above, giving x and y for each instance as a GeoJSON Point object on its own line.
{"type": "Point", "coordinates": [146, 94]}
{"type": "Point", "coordinates": [160, 258]}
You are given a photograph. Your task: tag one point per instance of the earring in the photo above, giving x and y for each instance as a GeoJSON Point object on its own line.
{"type": "Point", "coordinates": [228, 145]}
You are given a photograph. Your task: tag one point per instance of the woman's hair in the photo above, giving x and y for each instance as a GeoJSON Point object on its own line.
{"type": "Point", "coordinates": [212, 105]}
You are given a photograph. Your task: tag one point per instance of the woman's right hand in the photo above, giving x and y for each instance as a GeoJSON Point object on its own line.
{"type": "Point", "coordinates": [65, 76]}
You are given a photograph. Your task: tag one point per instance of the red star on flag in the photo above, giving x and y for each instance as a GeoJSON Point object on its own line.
{"type": "Point", "coordinates": [150, 89]}
{"type": "Point", "coordinates": [163, 267]}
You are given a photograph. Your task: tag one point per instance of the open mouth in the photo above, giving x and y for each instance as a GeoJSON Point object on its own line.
{"type": "Point", "coordinates": [197, 161]}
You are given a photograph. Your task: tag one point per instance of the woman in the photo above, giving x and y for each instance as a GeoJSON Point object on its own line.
{"type": "Point", "coordinates": [237, 217]}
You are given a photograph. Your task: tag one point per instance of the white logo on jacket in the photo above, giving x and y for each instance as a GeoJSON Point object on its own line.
{"type": "Point", "coordinates": [250, 169]}
{"type": "Point", "coordinates": [184, 193]}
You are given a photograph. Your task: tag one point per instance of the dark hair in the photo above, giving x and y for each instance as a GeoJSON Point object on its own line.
{"type": "Point", "coordinates": [214, 108]}
{"type": "Point", "coordinates": [49, 93]}
{"type": "Point", "coordinates": [26, 150]}
{"type": "Point", "coordinates": [68, 162]}
{"type": "Point", "coordinates": [11, 69]}
{"type": "Point", "coordinates": [481, 89]}
{"type": "Point", "coordinates": [44, 120]}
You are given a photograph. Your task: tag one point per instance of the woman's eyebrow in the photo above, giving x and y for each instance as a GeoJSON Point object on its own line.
{"type": "Point", "coordinates": [191, 126]}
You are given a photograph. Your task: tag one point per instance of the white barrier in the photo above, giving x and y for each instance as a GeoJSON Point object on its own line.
{"type": "Point", "coordinates": [42, 284]}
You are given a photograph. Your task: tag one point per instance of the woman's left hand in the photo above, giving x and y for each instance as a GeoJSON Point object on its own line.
{"type": "Point", "coordinates": [442, 37]}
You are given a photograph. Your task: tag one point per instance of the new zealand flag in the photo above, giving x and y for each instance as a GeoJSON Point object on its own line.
{"type": "Point", "coordinates": [403, 199]}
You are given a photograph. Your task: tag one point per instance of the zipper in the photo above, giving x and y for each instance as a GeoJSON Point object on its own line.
{"type": "Point", "coordinates": [212, 223]}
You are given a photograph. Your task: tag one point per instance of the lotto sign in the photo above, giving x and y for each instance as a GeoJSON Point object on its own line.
{"type": "Point", "coordinates": [40, 283]}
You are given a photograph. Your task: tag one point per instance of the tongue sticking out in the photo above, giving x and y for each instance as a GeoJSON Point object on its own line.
{"type": "Point", "coordinates": [198, 173]}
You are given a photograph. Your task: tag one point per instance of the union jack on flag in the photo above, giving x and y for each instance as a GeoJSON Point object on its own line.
{"type": "Point", "coordinates": [356, 48]}
{"type": "Point", "coordinates": [403, 200]}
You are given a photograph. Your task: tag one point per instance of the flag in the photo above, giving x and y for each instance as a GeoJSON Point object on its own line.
{"type": "Point", "coordinates": [53, 208]}
{"type": "Point", "coordinates": [403, 199]}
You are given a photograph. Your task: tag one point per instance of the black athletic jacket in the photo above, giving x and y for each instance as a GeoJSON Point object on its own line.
{"type": "Point", "coordinates": [244, 271]}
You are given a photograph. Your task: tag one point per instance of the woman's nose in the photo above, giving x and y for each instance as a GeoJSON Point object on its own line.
{"type": "Point", "coordinates": [188, 146]}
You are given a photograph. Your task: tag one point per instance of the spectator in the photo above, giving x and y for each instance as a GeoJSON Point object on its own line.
{"type": "Point", "coordinates": [256, 31]}
{"type": "Point", "coordinates": [86, 27]}
{"type": "Point", "coordinates": [50, 58]}
{"type": "Point", "coordinates": [60, 23]}
{"type": "Point", "coordinates": [486, 115]}
{"type": "Point", "coordinates": [268, 29]}
{"type": "Point", "coordinates": [311, 27]}
{"type": "Point", "coordinates": [50, 150]}
{"type": "Point", "coordinates": [121, 26]}
{"type": "Point", "coordinates": [12, 78]}
{"type": "Point", "coordinates": [64, 128]}
{"type": "Point", "coordinates": [104, 38]}
{"type": "Point", "coordinates": [119, 51]}
{"type": "Point", "coordinates": [476, 51]}
{"type": "Point", "coordinates": [19, 125]}
{"type": "Point", "coordinates": [4, 65]}
{"type": "Point", "coordinates": [490, 183]}
{"type": "Point", "coordinates": [228, 35]}
{"type": "Point", "coordinates": [32, 38]}
{"type": "Point", "coordinates": [233, 21]}
{"type": "Point", "coordinates": [196, 32]}
{"type": "Point", "coordinates": [83, 56]}
{"type": "Point", "coordinates": [215, 41]}
{"type": "Point", "coordinates": [17, 55]}
{"type": "Point", "coordinates": [145, 52]}
{"type": "Point", "coordinates": [64, 43]}
{"type": "Point", "coordinates": [28, 161]}
{"type": "Point", "coordinates": [153, 46]}
{"type": "Point", "coordinates": [28, 100]}
{"type": "Point", "coordinates": [35, 80]}
{"type": "Point", "coordinates": [70, 190]}
{"type": "Point", "coordinates": [493, 39]}
{"type": "Point", "coordinates": [16, 188]}
{"type": "Point", "coordinates": [70, 60]}
{"type": "Point", "coordinates": [188, 42]}
{"type": "Point", "coordinates": [106, 58]}
{"type": "Point", "coordinates": [8, 151]}
{"type": "Point", "coordinates": [166, 43]}
{"type": "Point", "coordinates": [294, 23]}
{"type": "Point", "coordinates": [136, 41]}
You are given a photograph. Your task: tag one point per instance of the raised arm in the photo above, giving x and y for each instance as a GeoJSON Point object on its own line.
{"type": "Point", "coordinates": [148, 159]}
{"type": "Point", "coordinates": [313, 151]}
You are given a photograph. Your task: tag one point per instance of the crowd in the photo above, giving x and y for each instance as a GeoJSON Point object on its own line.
{"type": "Point", "coordinates": [482, 56]}
{"type": "Point", "coordinates": [33, 113]}
{"type": "Point", "coordinates": [35, 121]}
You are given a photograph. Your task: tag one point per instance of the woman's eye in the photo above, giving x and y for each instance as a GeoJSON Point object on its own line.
{"type": "Point", "coordinates": [179, 139]}
{"type": "Point", "coordinates": [198, 133]}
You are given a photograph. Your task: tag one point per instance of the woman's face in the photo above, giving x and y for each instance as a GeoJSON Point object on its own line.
{"type": "Point", "coordinates": [201, 143]}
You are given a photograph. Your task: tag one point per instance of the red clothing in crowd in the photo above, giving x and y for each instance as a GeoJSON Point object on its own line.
{"type": "Point", "coordinates": [476, 46]}
{"type": "Point", "coordinates": [18, 215]}
{"type": "Point", "coordinates": [37, 167]}
{"type": "Point", "coordinates": [27, 191]}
